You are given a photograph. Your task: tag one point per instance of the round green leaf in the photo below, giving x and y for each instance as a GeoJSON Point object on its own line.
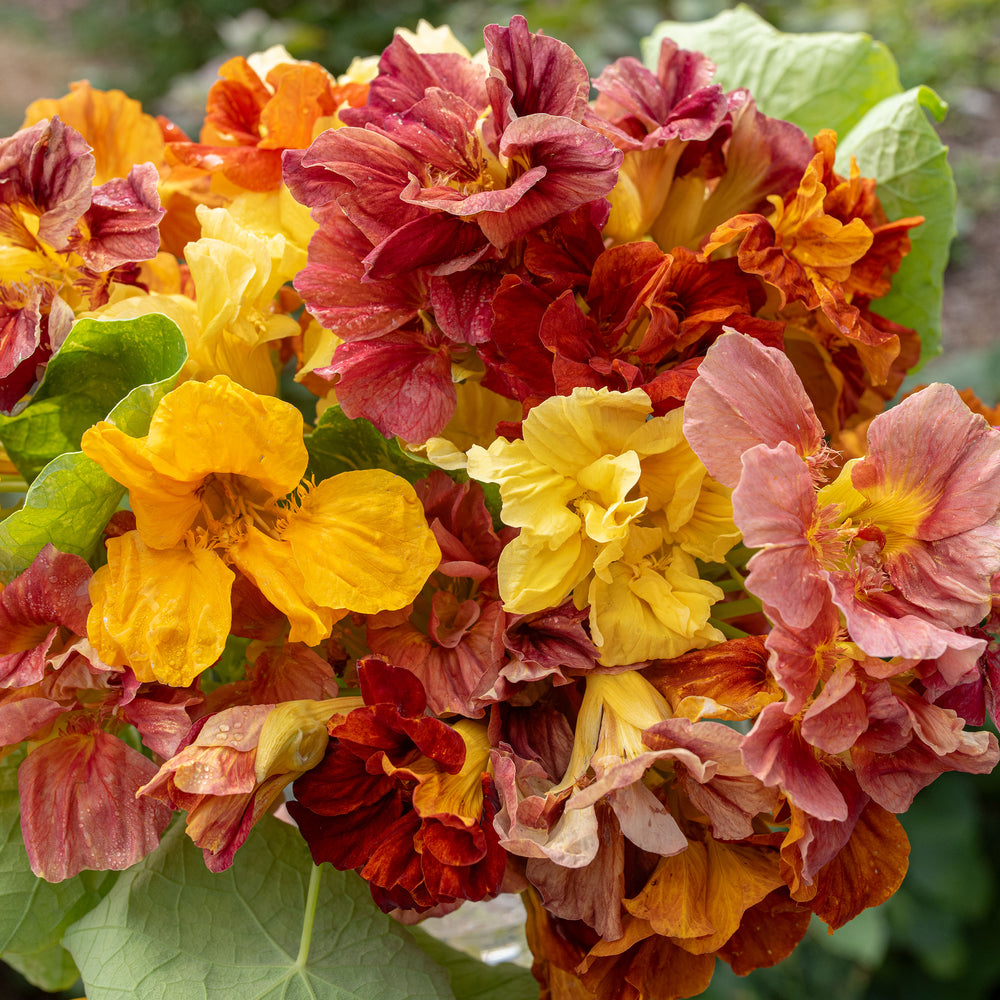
{"type": "Point", "coordinates": [104, 365]}
{"type": "Point", "coordinates": [170, 928]}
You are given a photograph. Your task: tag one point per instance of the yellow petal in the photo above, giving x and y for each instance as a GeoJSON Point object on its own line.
{"type": "Point", "coordinates": [220, 427]}
{"type": "Point", "coordinates": [165, 613]}
{"type": "Point", "coordinates": [652, 610]}
{"type": "Point", "coordinates": [362, 543]}
{"type": "Point", "coordinates": [534, 576]}
{"type": "Point", "coordinates": [568, 433]}
{"type": "Point", "coordinates": [271, 566]}
{"type": "Point", "coordinates": [165, 507]}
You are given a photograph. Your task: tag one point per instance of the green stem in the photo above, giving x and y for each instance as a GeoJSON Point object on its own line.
{"type": "Point", "coordinates": [735, 573]}
{"type": "Point", "coordinates": [729, 631]}
{"type": "Point", "coordinates": [309, 917]}
{"type": "Point", "coordinates": [13, 486]}
{"type": "Point", "coordinates": [734, 609]}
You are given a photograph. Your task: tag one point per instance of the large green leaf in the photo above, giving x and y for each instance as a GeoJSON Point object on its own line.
{"type": "Point", "coordinates": [170, 928]}
{"type": "Point", "coordinates": [34, 913]}
{"type": "Point", "coordinates": [474, 980]}
{"type": "Point", "coordinates": [101, 363]}
{"type": "Point", "coordinates": [849, 83]}
{"type": "Point", "coordinates": [71, 500]}
{"type": "Point", "coordinates": [820, 80]}
{"type": "Point", "coordinates": [52, 970]}
{"type": "Point", "coordinates": [896, 144]}
{"type": "Point", "coordinates": [339, 444]}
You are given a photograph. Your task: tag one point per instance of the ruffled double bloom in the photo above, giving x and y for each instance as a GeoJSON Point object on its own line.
{"type": "Point", "coordinates": [62, 239]}
{"type": "Point", "coordinates": [872, 580]}
{"type": "Point", "coordinates": [217, 490]}
{"type": "Point", "coordinates": [614, 508]}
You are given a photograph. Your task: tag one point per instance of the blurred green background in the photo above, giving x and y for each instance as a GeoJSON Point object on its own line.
{"type": "Point", "coordinates": [935, 938]}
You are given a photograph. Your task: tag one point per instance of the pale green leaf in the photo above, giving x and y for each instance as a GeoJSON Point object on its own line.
{"type": "Point", "coordinates": [896, 144]}
{"type": "Point", "coordinates": [102, 365]}
{"type": "Point", "coordinates": [71, 500]}
{"type": "Point", "coordinates": [848, 83]}
{"type": "Point", "coordinates": [170, 928]}
{"type": "Point", "coordinates": [34, 913]}
{"type": "Point", "coordinates": [52, 970]}
{"type": "Point", "coordinates": [68, 505]}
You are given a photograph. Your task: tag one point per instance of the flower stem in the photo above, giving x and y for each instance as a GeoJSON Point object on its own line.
{"type": "Point", "coordinates": [729, 631]}
{"type": "Point", "coordinates": [309, 916]}
{"type": "Point", "coordinates": [735, 609]}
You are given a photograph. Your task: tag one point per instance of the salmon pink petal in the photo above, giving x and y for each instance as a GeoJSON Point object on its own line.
{"type": "Point", "coordinates": [747, 394]}
{"type": "Point", "coordinates": [812, 843]}
{"type": "Point", "coordinates": [777, 753]}
{"type": "Point", "coordinates": [79, 810]}
{"type": "Point", "coordinates": [801, 656]}
{"type": "Point", "coordinates": [894, 779]}
{"type": "Point", "coordinates": [838, 715]}
{"type": "Point", "coordinates": [775, 507]}
{"type": "Point", "coordinates": [884, 625]}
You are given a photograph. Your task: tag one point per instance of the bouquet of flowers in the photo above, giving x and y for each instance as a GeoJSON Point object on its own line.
{"type": "Point", "coordinates": [484, 488]}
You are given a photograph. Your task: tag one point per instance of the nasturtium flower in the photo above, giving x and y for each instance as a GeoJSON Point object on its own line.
{"type": "Point", "coordinates": [612, 505]}
{"type": "Point", "coordinates": [216, 487]}
{"type": "Point", "coordinates": [237, 275]}
{"type": "Point", "coordinates": [258, 108]}
{"type": "Point", "coordinates": [121, 135]}
{"type": "Point", "coordinates": [61, 241]}
{"type": "Point", "coordinates": [404, 798]}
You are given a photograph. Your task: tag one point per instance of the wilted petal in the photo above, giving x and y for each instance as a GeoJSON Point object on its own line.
{"type": "Point", "coordinates": [79, 809]}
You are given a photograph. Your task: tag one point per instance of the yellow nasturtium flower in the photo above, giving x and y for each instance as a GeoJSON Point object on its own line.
{"type": "Point", "coordinates": [216, 487]}
{"type": "Point", "coordinates": [614, 507]}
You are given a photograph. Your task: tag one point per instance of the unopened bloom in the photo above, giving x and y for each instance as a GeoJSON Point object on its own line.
{"type": "Point", "coordinates": [234, 764]}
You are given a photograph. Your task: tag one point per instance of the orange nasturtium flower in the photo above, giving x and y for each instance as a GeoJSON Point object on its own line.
{"type": "Point", "coordinates": [216, 488]}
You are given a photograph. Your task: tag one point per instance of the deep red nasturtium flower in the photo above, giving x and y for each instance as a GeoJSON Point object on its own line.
{"type": "Point", "coordinates": [403, 798]}
{"type": "Point", "coordinates": [643, 321]}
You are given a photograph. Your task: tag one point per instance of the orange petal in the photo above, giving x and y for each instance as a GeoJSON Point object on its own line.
{"type": "Point", "coordinates": [867, 871]}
